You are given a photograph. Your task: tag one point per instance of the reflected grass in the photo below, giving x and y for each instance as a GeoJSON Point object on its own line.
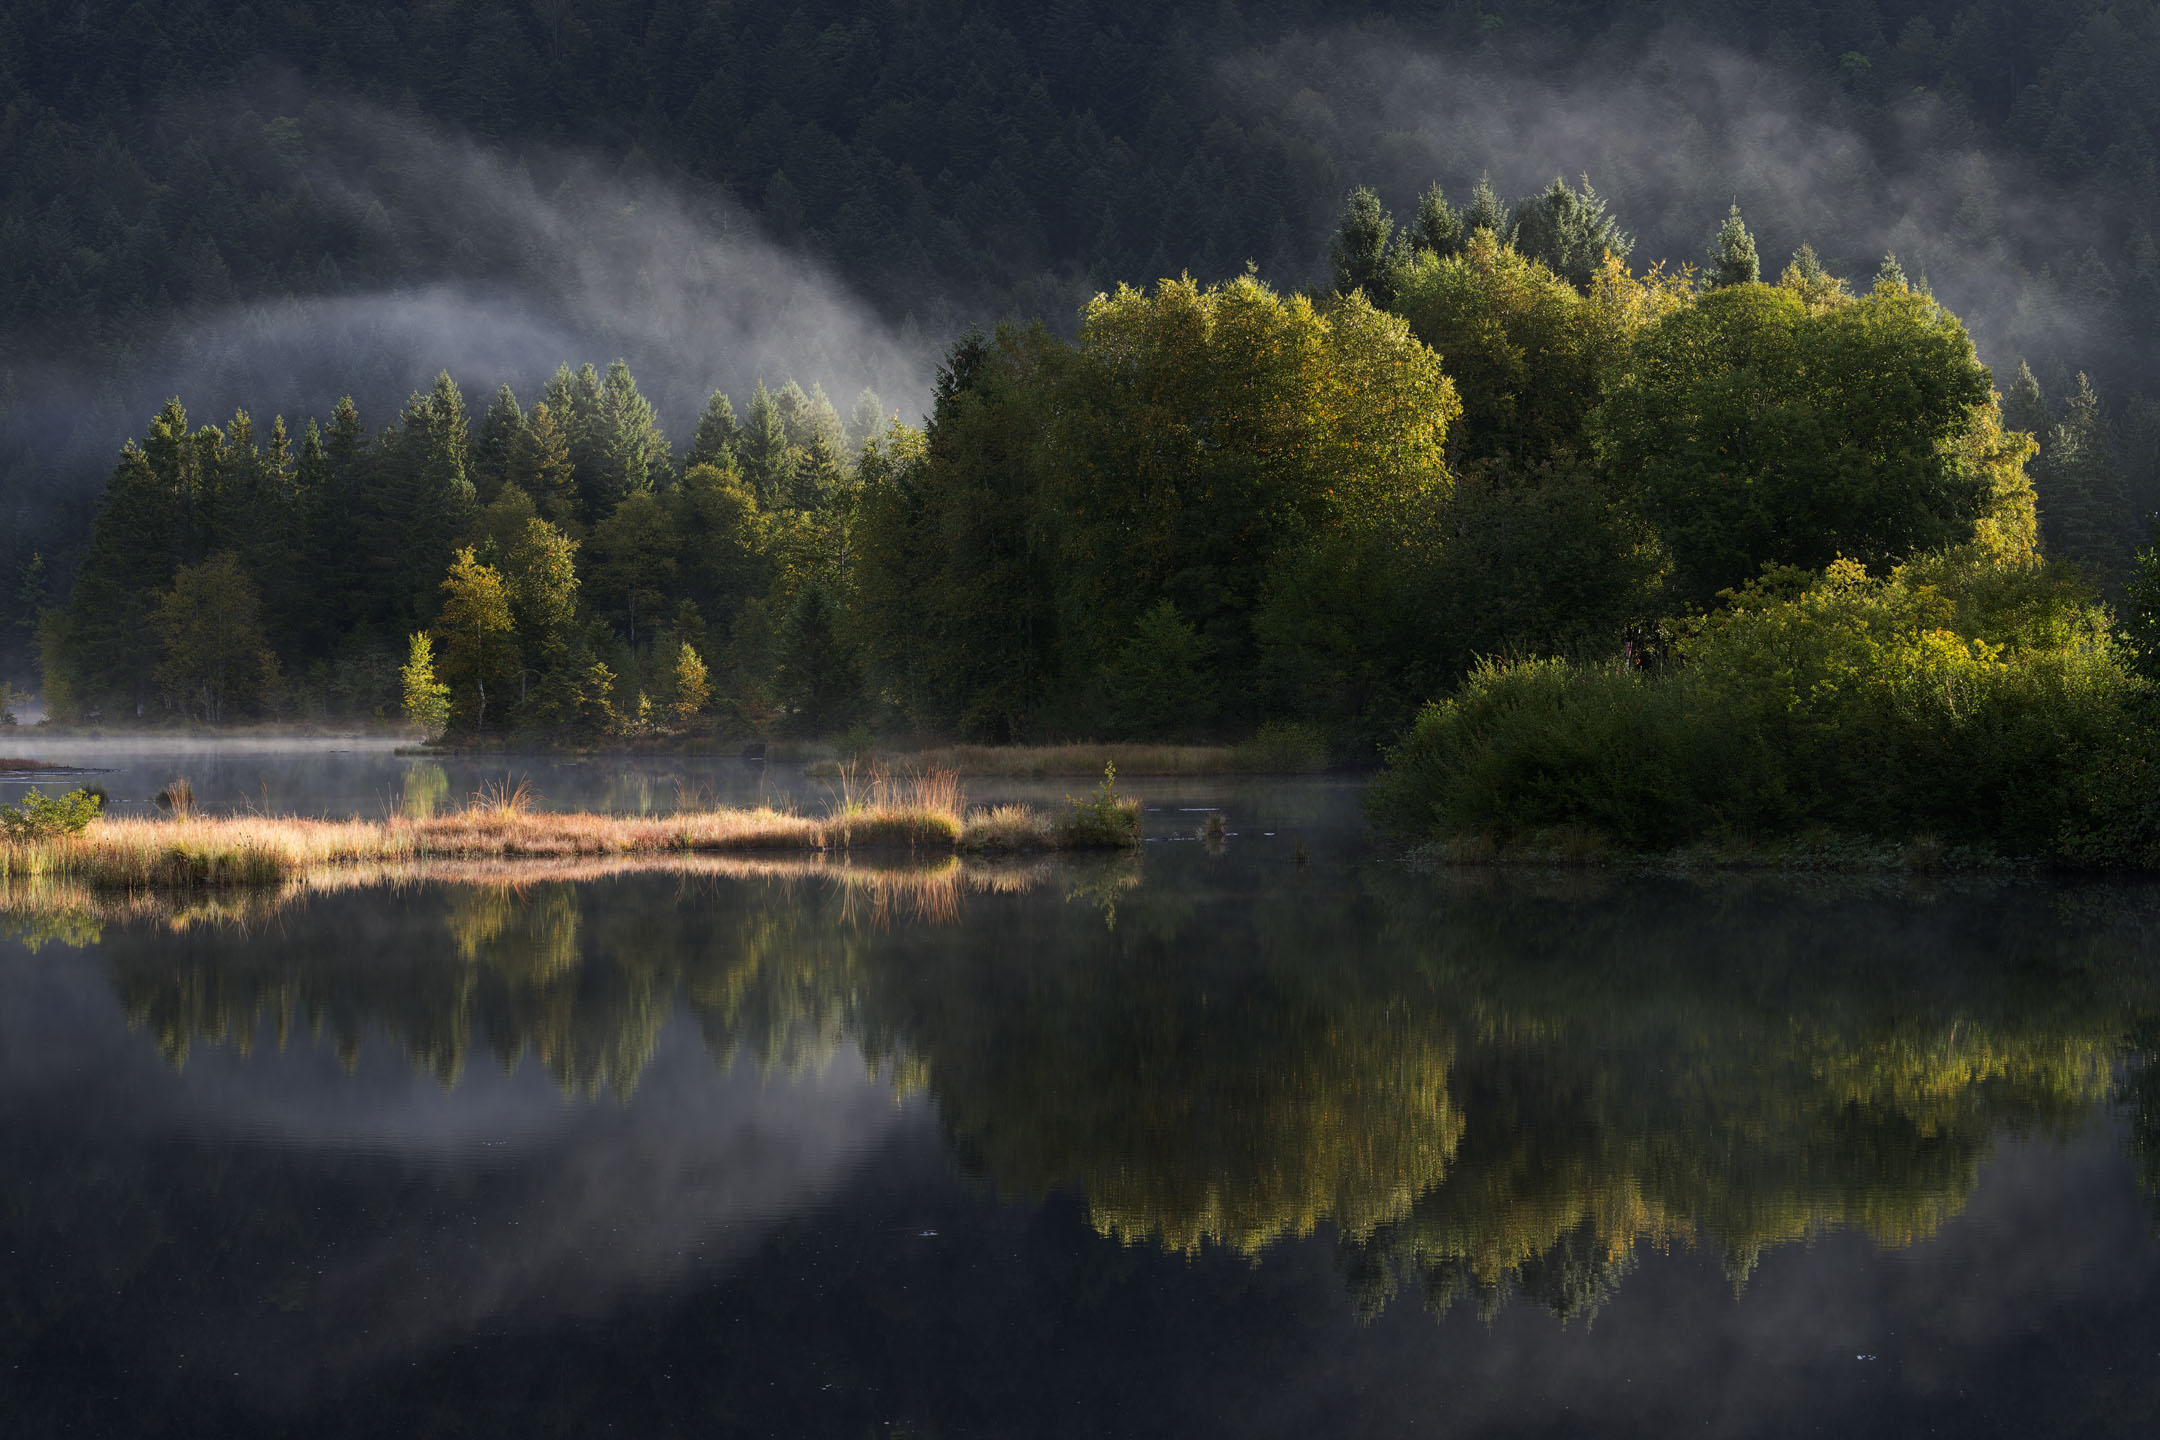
{"type": "Point", "coordinates": [68, 909]}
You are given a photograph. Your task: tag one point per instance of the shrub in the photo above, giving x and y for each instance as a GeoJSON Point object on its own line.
{"type": "Point", "coordinates": [1281, 747]}
{"type": "Point", "coordinates": [1159, 686]}
{"type": "Point", "coordinates": [1984, 704]}
{"type": "Point", "coordinates": [1105, 820]}
{"type": "Point", "coordinates": [41, 817]}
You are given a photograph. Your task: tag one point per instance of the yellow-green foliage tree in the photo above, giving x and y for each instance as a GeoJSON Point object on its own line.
{"type": "Point", "coordinates": [693, 687]}
{"type": "Point", "coordinates": [1758, 426]}
{"type": "Point", "coordinates": [209, 626]}
{"type": "Point", "coordinates": [479, 639]}
{"type": "Point", "coordinates": [427, 699]}
{"type": "Point", "coordinates": [542, 583]}
{"type": "Point", "coordinates": [1203, 431]}
{"type": "Point", "coordinates": [1528, 352]}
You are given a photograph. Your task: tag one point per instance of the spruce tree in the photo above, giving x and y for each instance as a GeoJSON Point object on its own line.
{"type": "Point", "coordinates": [630, 455]}
{"type": "Point", "coordinates": [540, 465]}
{"type": "Point", "coordinates": [1807, 278]}
{"type": "Point", "coordinates": [333, 477]}
{"type": "Point", "coordinates": [817, 476]}
{"type": "Point", "coordinates": [499, 432]}
{"type": "Point", "coordinates": [2025, 408]}
{"type": "Point", "coordinates": [1892, 275]}
{"type": "Point", "coordinates": [867, 421]}
{"type": "Point", "coordinates": [1733, 260]}
{"type": "Point", "coordinates": [768, 460]}
{"type": "Point", "coordinates": [1486, 212]}
{"type": "Point", "coordinates": [1360, 252]}
{"type": "Point", "coordinates": [1438, 228]}
{"type": "Point", "coordinates": [432, 446]}
{"type": "Point", "coordinates": [574, 397]}
{"type": "Point", "coordinates": [2085, 513]}
{"type": "Point", "coordinates": [716, 433]}
{"type": "Point", "coordinates": [1570, 232]}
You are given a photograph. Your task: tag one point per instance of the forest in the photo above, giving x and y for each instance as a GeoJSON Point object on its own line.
{"type": "Point", "coordinates": [165, 166]}
{"type": "Point", "coordinates": [1582, 541]}
{"type": "Point", "coordinates": [1687, 527]}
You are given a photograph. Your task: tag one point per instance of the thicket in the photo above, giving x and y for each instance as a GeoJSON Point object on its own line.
{"type": "Point", "coordinates": [1977, 701]}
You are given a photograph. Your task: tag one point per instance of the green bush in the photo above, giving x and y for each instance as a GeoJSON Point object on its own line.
{"type": "Point", "coordinates": [1159, 687]}
{"type": "Point", "coordinates": [41, 817]}
{"type": "Point", "coordinates": [1983, 704]}
{"type": "Point", "coordinates": [1105, 820]}
{"type": "Point", "coordinates": [1283, 747]}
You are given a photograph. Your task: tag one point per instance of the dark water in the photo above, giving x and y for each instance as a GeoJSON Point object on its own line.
{"type": "Point", "coordinates": [1205, 1143]}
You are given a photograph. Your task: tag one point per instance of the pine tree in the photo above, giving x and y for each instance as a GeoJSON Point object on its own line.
{"type": "Point", "coordinates": [540, 464]}
{"type": "Point", "coordinates": [1733, 260]}
{"type": "Point", "coordinates": [1892, 275]}
{"type": "Point", "coordinates": [1360, 251]}
{"type": "Point", "coordinates": [1487, 213]}
{"type": "Point", "coordinates": [2085, 513]}
{"type": "Point", "coordinates": [2025, 408]}
{"type": "Point", "coordinates": [1570, 232]}
{"type": "Point", "coordinates": [768, 460]}
{"type": "Point", "coordinates": [492, 452]}
{"type": "Point", "coordinates": [630, 455]}
{"type": "Point", "coordinates": [1438, 227]}
{"type": "Point", "coordinates": [1806, 277]}
{"type": "Point", "coordinates": [433, 444]}
{"type": "Point", "coordinates": [717, 433]}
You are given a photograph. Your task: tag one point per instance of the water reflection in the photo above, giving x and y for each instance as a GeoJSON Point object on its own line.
{"type": "Point", "coordinates": [1487, 1088]}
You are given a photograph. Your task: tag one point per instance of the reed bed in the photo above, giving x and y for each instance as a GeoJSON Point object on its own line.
{"type": "Point", "coordinates": [918, 814]}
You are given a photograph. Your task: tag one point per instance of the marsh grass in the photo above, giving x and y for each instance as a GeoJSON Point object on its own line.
{"type": "Point", "coordinates": [1009, 829]}
{"type": "Point", "coordinates": [920, 813]}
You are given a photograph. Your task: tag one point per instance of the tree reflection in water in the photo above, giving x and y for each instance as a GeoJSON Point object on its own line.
{"type": "Point", "coordinates": [1488, 1087]}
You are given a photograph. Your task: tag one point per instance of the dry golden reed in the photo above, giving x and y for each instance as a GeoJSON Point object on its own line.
{"type": "Point", "coordinates": [923, 813]}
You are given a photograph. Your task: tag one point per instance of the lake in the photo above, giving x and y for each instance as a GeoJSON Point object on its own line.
{"type": "Point", "coordinates": [1271, 1137]}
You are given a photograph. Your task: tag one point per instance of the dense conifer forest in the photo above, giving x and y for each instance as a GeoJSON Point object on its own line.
{"type": "Point", "coordinates": [1407, 415]}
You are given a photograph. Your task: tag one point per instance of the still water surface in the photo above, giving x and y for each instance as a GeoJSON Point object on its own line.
{"type": "Point", "coordinates": [1208, 1142]}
